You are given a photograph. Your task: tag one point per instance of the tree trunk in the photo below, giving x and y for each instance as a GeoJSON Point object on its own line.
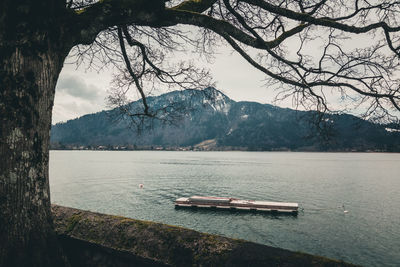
{"type": "Point", "coordinates": [28, 78]}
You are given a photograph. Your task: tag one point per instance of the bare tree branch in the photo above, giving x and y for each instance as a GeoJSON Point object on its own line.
{"type": "Point", "coordinates": [273, 36]}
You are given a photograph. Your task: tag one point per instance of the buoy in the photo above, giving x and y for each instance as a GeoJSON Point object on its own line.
{"type": "Point", "coordinates": [140, 186]}
{"type": "Point", "coordinates": [344, 209]}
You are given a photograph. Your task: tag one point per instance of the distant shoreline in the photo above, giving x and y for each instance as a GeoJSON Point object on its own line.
{"type": "Point", "coordinates": [233, 150]}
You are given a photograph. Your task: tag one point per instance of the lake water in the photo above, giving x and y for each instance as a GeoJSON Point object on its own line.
{"type": "Point", "coordinates": [368, 184]}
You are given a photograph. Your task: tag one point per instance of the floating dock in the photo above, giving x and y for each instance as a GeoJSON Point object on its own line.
{"type": "Point", "coordinates": [236, 204]}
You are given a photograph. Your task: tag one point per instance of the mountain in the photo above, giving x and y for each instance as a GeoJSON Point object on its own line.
{"type": "Point", "coordinates": [209, 120]}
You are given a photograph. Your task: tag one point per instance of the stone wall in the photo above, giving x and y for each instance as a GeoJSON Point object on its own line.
{"type": "Point", "coordinates": [94, 239]}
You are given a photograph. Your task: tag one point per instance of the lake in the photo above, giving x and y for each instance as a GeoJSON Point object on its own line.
{"type": "Point", "coordinates": [367, 184]}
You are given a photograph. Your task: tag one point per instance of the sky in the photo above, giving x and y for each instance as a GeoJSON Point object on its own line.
{"type": "Point", "coordinates": [81, 91]}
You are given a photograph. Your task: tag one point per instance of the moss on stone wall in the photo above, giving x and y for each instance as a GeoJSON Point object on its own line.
{"type": "Point", "coordinates": [171, 245]}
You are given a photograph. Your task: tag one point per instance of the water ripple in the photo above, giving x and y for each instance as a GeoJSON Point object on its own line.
{"type": "Point", "coordinates": [367, 184]}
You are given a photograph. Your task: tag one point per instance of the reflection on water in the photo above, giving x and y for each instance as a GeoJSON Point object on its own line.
{"type": "Point", "coordinates": [366, 183]}
{"type": "Point", "coordinates": [232, 212]}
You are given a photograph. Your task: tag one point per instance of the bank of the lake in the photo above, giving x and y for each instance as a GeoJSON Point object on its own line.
{"type": "Point", "coordinates": [366, 183]}
{"type": "Point", "coordinates": [93, 239]}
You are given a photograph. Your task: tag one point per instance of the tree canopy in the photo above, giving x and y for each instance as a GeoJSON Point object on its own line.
{"type": "Point", "coordinates": [316, 52]}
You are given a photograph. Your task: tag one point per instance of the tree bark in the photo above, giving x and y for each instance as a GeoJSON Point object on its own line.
{"type": "Point", "coordinates": [32, 52]}
{"type": "Point", "coordinates": [28, 78]}
{"type": "Point", "coordinates": [35, 38]}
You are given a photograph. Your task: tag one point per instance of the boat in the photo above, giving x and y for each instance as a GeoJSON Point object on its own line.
{"type": "Point", "coordinates": [236, 204]}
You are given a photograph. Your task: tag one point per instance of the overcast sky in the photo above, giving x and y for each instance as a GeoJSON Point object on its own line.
{"type": "Point", "coordinates": [81, 91]}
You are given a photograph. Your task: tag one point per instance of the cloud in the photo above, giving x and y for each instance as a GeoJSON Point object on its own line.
{"type": "Point", "coordinates": [68, 107]}
{"type": "Point", "coordinates": [77, 87]}
{"type": "Point", "coordinates": [76, 97]}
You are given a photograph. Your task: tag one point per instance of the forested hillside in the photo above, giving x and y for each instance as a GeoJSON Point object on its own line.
{"type": "Point", "coordinates": [212, 121]}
